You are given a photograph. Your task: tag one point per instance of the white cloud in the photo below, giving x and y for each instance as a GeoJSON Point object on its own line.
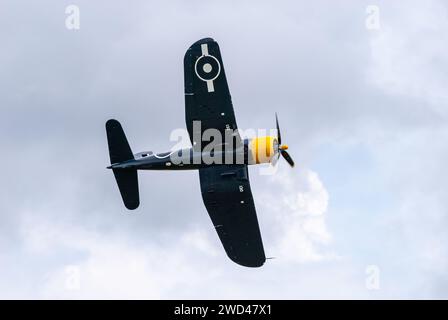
{"type": "Point", "coordinates": [296, 206]}
{"type": "Point", "coordinates": [113, 265]}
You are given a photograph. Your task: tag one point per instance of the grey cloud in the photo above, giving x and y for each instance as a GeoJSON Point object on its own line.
{"type": "Point", "coordinates": [312, 63]}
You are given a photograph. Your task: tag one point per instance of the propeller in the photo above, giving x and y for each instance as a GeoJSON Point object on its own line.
{"type": "Point", "coordinates": [281, 148]}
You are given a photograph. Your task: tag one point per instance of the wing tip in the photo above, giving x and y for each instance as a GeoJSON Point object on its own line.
{"type": "Point", "coordinates": [192, 48]}
{"type": "Point", "coordinates": [132, 205]}
{"type": "Point", "coordinates": [202, 41]}
{"type": "Point", "coordinates": [112, 123]}
{"type": "Point", "coordinates": [252, 263]}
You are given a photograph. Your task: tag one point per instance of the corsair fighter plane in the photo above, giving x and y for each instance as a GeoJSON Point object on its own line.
{"type": "Point", "coordinates": [222, 164]}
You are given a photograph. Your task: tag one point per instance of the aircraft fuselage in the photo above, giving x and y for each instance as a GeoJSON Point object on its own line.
{"type": "Point", "coordinates": [187, 159]}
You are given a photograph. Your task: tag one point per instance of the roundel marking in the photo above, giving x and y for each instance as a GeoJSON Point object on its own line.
{"type": "Point", "coordinates": [207, 68]}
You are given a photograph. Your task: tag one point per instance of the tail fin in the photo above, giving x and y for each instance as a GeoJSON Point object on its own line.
{"type": "Point", "coordinates": [119, 151]}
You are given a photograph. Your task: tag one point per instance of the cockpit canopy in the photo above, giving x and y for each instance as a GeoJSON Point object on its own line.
{"type": "Point", "coordinates": [143, 154]}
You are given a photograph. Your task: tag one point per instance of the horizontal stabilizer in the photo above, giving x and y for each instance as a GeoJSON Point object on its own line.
{"type": "Point", "coordinates": [120, 151]}
{"type": "Point", "coordinates": [127, 181]}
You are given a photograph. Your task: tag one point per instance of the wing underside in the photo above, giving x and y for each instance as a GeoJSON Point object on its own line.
{"type": "Point", "coordinates": [228, 198]}
{"type": "Point", "coordinates": [225, 188]}
{"type": "Point", "coordinates": [207, 95]}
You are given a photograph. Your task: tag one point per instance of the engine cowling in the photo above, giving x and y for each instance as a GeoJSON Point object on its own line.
{"type": "Point", "coordinates": [262, 149]}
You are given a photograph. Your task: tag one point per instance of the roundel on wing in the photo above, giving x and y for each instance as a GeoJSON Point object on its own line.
{"type": "Point", "coordinates": [207, 68]}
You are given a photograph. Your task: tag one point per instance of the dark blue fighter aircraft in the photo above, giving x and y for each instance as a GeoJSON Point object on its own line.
{"type": "Point", "coordinates": [224, 181]}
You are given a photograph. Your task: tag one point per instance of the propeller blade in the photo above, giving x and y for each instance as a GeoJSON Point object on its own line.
{"type": "Point", "coordinates": [278, 130]}
{"type": "Point", "coordinates": [287, 157]}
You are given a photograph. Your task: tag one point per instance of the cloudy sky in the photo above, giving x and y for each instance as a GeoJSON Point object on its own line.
{"type": "Point", "coordinates": [362, 104]}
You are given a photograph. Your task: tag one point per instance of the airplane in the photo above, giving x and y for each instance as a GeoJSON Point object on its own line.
{"type": "Point", "coordinates": [224, 182]}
